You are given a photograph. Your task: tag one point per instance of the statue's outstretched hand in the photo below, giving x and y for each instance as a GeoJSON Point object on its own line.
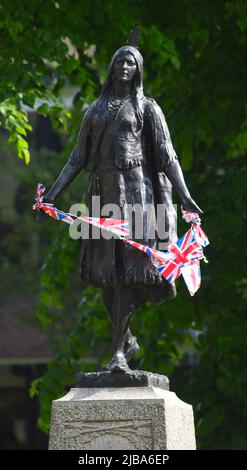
{"type": "Point", "coordinates": [191, 211]}
{"type": "Point", "coordinates": [47, 200]}
{"type": "Point", "coordinates": [190, 205]}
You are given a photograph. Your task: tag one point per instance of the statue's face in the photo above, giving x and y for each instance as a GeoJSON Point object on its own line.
{"type": "Point", "coordinates": [124, 67]}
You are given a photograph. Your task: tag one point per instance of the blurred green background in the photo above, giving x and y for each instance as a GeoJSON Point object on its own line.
{"type": "Point", "coordinates": [53, 61]}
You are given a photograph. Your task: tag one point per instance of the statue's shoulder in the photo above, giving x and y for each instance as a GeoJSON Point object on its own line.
{"type": "Point", "coordinates": [88, 108]}
{"type": "Point", "coordinates": [150, 106]}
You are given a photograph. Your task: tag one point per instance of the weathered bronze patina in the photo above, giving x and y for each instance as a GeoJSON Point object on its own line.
{"type": "Point", "coordinates": [125, 145]}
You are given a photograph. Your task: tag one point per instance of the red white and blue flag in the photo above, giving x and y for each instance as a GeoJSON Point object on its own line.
{"type": "Point", "coordinates": [182, 257]}
{"type": "Point", "coordinates": [120, 228]}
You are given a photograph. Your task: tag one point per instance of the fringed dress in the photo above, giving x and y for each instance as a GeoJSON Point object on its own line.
{"type": "Point", "coordinates": [126, 160]}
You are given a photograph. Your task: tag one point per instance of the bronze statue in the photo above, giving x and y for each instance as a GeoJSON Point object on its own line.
{"type": "Point", "coordinates": [124, 143]}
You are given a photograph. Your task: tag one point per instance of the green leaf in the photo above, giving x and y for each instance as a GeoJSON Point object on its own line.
{"type": "Point", "coordinates": [175, 61]}
{"type": "Point", "coordinates": [43, 109]}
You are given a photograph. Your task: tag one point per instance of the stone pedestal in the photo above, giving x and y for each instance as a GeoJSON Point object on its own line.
{"type": "Point", "coordinates": [126, 418]}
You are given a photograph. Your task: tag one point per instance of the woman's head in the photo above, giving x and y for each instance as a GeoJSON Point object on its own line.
{"type": "Point", "coordinates": [124, 67]}
{"type": "Point", "coordinates": [126, 59]}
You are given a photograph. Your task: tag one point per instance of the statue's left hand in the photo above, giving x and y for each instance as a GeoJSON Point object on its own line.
{"type": "Point", "coordinates": [190, 205]}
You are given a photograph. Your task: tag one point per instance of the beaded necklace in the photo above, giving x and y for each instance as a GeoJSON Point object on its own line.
{"type": "Point", "coordinates": [115, 104]}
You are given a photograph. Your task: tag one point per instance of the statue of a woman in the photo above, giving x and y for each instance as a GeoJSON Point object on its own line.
{"type": "Point", "coordinates": [124, 143]}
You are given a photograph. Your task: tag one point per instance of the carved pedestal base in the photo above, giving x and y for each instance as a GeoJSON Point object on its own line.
{"type": "Point", "coordinates": [133, 418]}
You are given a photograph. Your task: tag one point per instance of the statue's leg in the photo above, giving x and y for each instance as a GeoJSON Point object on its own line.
{"type": "Point", "coordinates": [131, 345]}
{"type": "Point", "coordinates": [121, 311]}
{"type": "Point", "coordinates": [122, 308]}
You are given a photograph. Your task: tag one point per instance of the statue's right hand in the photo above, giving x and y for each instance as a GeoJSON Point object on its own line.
{"type": "Point", "coordinates": [48, 200]}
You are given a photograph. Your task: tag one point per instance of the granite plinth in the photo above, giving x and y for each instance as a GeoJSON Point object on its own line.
{"type": "Point", "coordinates": [126, 418]}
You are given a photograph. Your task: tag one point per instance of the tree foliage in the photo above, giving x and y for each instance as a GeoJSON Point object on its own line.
{"type": "Point", "coordinates": [195, 69]}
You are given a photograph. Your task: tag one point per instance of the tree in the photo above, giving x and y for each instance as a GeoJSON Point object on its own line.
{"type": "Point", "coordinates": [194, 56]}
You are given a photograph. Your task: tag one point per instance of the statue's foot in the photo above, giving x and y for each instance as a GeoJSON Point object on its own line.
{"type": "Point", "coordinates": [117, 364]}
{"type": "Point", "coordinates": [132, 348]}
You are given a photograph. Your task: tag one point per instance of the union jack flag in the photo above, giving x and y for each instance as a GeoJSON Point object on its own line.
{"type": "Point", "coordinates": [57, 214]}
{"type": "Point", "coordinates": [191, 273]}
{"type": "Point", "coordinates": [48, 208]}
{"type": "Point", "coordinates": [200, 236]}
{"type": "Point", "coordinates": [38, 196]}
{"type": "Point", "coordinates": [185, 249]}
{"type": "Point", "coordinates": [117, 227]}
{"type": "Point", "coordinates": [182, 257]}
